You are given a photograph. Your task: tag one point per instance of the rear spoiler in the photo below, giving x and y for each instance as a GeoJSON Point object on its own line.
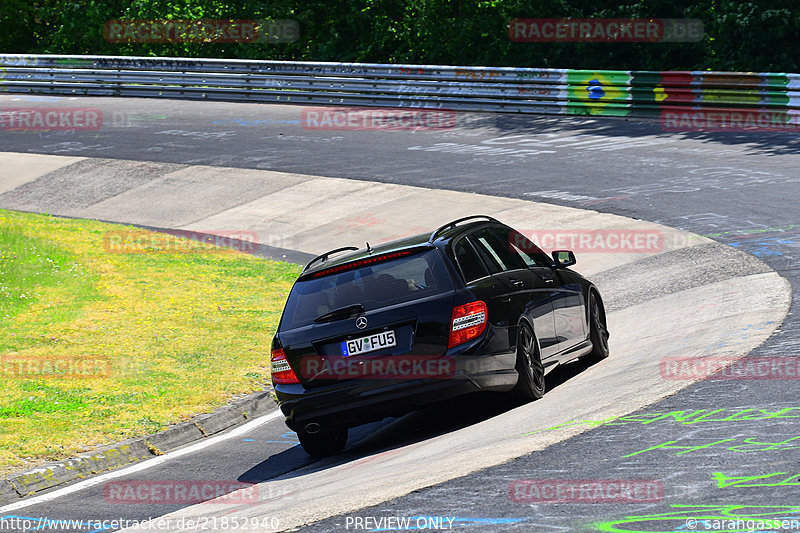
{"type": "Point", "coordinates": [324, 257]}
{"type": "Point", "coordinates": [357, 263]}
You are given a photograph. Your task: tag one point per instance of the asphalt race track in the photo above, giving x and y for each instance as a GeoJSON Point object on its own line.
{"type": "Point", "coordinates": [727, 448]}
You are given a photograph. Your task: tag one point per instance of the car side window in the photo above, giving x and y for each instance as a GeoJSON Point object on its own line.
{"type": "Point", "coordinates": [471, 266]}
{"type": "Point", "coordinates": [530, 253]}
{"type": "Point", "coordinates": [496, 250]}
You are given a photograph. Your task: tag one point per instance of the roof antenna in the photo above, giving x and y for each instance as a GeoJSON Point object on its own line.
{"type": "Point", "coordinates": [369, 250]}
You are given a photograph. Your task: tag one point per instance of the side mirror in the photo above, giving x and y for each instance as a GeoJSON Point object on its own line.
{"type": "Point", "coordinates": [563, 258]}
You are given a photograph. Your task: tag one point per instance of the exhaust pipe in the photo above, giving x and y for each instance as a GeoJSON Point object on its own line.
{"type": "Point", "coordinates": [313, 428]}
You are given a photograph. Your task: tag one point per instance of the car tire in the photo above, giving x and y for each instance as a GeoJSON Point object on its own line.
{"type": "Point", "coordinates": [323, 443]}
{"type": "Point", "coordinates": [530, 383]}
{"type": "Point", "coordinates": [598, 330]}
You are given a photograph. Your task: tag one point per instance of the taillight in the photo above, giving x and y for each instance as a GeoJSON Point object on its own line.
{"type": "Point", "coordinates": [468, 322]}
{"type": "Point", "coordinates": [282, 372]}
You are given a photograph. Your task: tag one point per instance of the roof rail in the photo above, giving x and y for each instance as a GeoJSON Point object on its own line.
{"type": "Point", "coordinates": [453, 224]}
{"type": "Point", "coordinates": [324, 257]}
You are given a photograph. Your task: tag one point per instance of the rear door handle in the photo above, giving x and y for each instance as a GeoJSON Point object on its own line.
{"type": "Point", "coordinates": [516, 282]}
{"type": "Point", "coordinates": [549, 281]}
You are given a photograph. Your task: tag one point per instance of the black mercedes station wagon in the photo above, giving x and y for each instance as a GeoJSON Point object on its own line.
{"type": "Point", "coordinates": [380, 331]}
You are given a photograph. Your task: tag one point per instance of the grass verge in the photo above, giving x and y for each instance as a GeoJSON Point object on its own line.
{"type": "Point", "coordinates": [97, 347]}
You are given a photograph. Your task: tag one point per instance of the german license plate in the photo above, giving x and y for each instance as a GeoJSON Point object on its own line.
{"type": "Point", "coordinates": [370, 343]}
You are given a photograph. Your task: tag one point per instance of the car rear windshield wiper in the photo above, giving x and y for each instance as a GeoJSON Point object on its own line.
{"type": "Point", "coordinates": [341, 313]}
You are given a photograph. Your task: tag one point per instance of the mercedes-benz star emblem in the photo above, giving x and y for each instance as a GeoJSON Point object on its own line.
{"type": "Point", "coordinates": [361, 322]}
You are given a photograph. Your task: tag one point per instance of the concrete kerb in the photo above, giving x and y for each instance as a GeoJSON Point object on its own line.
{"type": "Point", "coordinates": [7, 492]}
{"type": "Point", "coordinates": [124, 453]}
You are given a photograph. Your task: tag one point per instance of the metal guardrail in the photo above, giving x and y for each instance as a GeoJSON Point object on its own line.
{"type": "Point", "coordinates": [506, 89]}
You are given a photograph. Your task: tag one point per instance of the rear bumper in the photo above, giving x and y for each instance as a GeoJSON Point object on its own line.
{"type": "Point", "coordinates": [355, 402]}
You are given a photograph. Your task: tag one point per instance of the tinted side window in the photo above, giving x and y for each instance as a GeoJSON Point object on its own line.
{"type": "Point", "coordinates": [497, 250]}
{"type": "Point", "coordinates": [530, 253]}
{"type": "Point", "coordinates": [470, 264]}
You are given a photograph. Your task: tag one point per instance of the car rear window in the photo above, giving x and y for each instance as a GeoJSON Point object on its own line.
{"type": "Point", "coordinates": [375, 286]}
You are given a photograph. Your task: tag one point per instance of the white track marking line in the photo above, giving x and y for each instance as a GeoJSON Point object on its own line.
{"type": "Point", "coordinates": [144, 465]}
